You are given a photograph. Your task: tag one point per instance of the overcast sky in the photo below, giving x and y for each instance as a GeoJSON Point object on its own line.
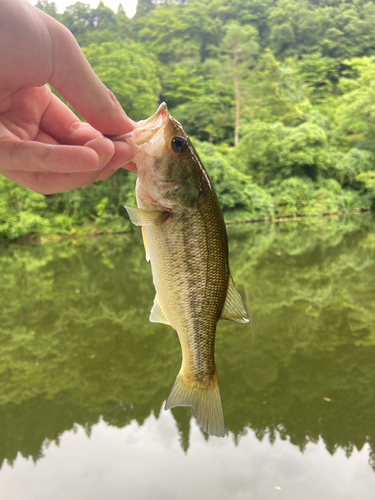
{"type": "Point", "coordinates": [129, 5]}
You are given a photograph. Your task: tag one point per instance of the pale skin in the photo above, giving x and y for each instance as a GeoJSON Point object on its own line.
{"type": "Point", "coordinates": [43, 145]}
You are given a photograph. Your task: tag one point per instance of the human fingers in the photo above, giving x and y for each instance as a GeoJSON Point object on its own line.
{"type": "Point", "coordinates": [45, 138]}
{"type": "Point", "coordinates": [63, 125]}
{"type": "Point", "coordinates": [34, 156]}
{"type": "Point", "coordinates": [132, 167]}
{"type": "Point", "coordinates": [122, 157]}
{"type": "Point", "coordinates": [51, 182]}
{"type": "Point", "coordinates": [59, 122]}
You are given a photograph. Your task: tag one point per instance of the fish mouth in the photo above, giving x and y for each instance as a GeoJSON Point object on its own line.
{"type": "Point", "coordinates": [145, 129]}
{"type": "Point", "coordinates": [148, 129]}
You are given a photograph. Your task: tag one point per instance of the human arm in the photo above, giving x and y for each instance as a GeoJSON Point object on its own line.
{"type": "Point", "coordinates": [43, 145]}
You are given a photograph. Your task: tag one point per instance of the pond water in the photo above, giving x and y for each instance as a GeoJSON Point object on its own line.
{"type": "Point", "coordinates": [84, 375]}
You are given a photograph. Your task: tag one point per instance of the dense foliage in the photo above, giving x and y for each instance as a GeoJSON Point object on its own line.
{"type": "Point", "coordinates": [278, 96]}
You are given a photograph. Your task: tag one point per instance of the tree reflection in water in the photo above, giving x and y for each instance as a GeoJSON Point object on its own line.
{"type": "Point", "coordinates": [76, 343]}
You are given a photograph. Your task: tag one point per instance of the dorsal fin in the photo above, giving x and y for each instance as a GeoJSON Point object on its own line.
{"type": "Point", "coordinates": [157, 314]}
{"type": "Point", "coordinates": [233, 309]}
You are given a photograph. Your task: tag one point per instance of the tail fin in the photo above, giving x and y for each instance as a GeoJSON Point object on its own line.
{"type": "Point", "coordinates": [204, 398]}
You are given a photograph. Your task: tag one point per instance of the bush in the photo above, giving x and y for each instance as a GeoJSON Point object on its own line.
{"type": "Point", "coordinates": [294, 196]}
{"type": "Point", "coordinates": [274, 150]}
{"type": "Point", "coordinates": [345, 167]}
{"type": "Point", "coordinates": [301, 196]}
{"type": "Point", "coordinates": [102, 200]}
{"type": "Point", "coordinates": [22, 211]}
{"type": "Point", "coordinates": [368, 180]}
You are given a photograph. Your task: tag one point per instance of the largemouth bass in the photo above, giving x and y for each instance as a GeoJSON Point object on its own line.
{"type": "Point", "coordinates": [185, 240]}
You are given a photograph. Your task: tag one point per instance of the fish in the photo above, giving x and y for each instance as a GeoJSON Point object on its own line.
{"type": "Point", "coordinates": [185, 241]}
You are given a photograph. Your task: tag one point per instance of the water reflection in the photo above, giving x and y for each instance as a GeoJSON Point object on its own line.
{"type": "Point", "coordinates": [146, 462]}
{"type": "Point", "coordinates": [76, 345]}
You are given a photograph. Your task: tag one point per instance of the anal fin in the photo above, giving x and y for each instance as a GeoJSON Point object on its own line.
{"type": "Point", "coordinates": [157, 314]}
{"type": "Point", "coordinates": [233, 309]}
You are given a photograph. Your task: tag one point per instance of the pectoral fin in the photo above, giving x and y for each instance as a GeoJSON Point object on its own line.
{"type": "Point", "coordinates": [157, 314]}
{"type": "Point", "coordinates": [143, 217]}
{"type": "Point", "coordinates": [234, 309]}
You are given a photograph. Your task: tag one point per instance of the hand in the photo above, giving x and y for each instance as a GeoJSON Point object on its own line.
{"type": "Point", "coordinates": [43, 145]}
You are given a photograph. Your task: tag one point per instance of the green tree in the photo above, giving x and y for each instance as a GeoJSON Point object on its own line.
{"type": "Point", "coordinates": [348, 30]}
{"type": "Point", "coordinates": [239, 46]}
{"type": "Point", "coordinates": [165, 33]}
{"type": "Point", "coordinates": [356, 110]}
{"type": "Point", "coordinates": [104, 26]}
{"type": "Point", "coordinates": [123, 23]}
{"type": "Point", "coordinates": [368, 179]}
{"type": "Point", "coordinates": [320, 74]}
{"type": "Point", "coordinates": [274, 91]}
{"type": "Point", "coordinates": [201, 100]}
{"type": "Point", "coordinates": [144, 7]}
{"type": "Point", "coordinates": [275, 150]}
{"type": "Point", "coordinates": [294, 28]}
{"type": "Point", "coordinates": [79, 19]}
{"type": "Point", "coordinates": [48, 7]}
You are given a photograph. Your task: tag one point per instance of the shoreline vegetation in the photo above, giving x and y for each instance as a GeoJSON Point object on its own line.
{"type": "Point", "coordinates": [277, 97]}
{"type": "Point", "coordinates": [93, 231]}
{"type": "Point", "coordinates": [289, 218]}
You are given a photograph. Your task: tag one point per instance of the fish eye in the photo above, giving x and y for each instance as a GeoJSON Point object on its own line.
{"type": "Point", "coordinates": [179, 144]}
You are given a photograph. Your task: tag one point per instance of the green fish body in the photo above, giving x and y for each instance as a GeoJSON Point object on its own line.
{"type": "Point", "coordinates": [186, 242]}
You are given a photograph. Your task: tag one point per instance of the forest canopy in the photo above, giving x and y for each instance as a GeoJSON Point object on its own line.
{"type": "Point", "coordinates": [277, 95]}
